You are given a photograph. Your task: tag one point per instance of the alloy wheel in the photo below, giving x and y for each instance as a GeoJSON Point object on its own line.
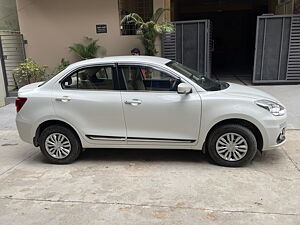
{"type": "Point", "coordinates": [58, 145]}
{"type": "Point", "coordinates": [231, 147]}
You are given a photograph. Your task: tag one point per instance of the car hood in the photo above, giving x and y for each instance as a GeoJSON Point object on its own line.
{"type": "Point", "coordinates": [248, 92]}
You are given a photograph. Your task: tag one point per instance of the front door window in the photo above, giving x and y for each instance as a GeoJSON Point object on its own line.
{"type": "Point", "coordinates": [139, 78]}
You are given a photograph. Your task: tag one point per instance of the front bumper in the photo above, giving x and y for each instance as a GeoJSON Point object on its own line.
{"type": "Point", "coordinates": [275, 132]}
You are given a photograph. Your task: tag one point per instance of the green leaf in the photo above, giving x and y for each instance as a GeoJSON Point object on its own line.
{"type": "Point", "coordinates": [158, 14]}
{"type": "Point", "coordinates": [86, 51]}
{"type": "Point", "coordinates": [29, 71]}
{"type": "Point", "coordinates": [132, 18]}
{"type": "Point", "coordinates": [149, 30]}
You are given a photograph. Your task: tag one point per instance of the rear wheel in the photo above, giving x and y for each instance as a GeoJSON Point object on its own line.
{"type": "Point", "coordinates": [59, 144]}
{"type": "Point", "coordinates": [232, 145]}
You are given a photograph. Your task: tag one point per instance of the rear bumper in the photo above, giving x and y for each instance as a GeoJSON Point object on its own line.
{"type": "Point", "coordinates": [25, 129]}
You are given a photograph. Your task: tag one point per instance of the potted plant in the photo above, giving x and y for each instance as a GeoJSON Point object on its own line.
{"type": "Point", "coordinates": [88, 49]}
{"type": "Point", "coordinates": [149, 30]}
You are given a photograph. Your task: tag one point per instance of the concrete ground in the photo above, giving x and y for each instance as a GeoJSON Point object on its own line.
{"type": "Point", "coordinates": [147, 186]}
{"type": "Point", "coordinates": [287, 94]}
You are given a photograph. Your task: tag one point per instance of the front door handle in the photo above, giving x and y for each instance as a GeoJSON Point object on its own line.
{"type": "Point", "coordinates": [133, 102]}
{"type": "Point", "coordinates": [63, 99]}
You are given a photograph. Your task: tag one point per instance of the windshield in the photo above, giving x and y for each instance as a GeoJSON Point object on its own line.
{"type": "Point", "coordinates": [202, 81]}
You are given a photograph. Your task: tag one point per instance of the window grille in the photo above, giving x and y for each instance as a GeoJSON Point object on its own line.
{"type": "Point", "coordinates": [142, 7]}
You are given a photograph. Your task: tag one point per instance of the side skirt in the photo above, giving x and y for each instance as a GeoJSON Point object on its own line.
{"type": "Point", "coordinates": [139, 139]}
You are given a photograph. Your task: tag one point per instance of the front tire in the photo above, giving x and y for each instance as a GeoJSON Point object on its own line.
{"type": "Point", "coordinates": [231, 145]}
{"type": "Point", "coordinates": [59, 144]}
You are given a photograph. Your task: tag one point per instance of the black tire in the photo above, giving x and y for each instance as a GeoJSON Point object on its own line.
{"type": "Point", "coordinates": [75, 144]}
{"type": "Point", "coordinates": [239, 130]}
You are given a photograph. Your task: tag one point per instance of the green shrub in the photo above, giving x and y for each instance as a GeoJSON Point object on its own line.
{"type": "Point", "coordinates": [63, 65]}
{"type": "Point", "coordinates": [29, 72]}
{"type": "Point", "coordinates": [89, 49]}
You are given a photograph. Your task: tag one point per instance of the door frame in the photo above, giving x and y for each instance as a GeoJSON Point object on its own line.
{"type": "Point", "coordinates": [94, 139]}
{"type": "Point", "coordinates": [154, 141]}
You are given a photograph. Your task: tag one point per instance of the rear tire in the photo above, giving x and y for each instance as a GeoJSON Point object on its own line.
{"type": "Point", "coordinates": [59, 144]}
{"type": "Point", "coordinates": [231, 145]}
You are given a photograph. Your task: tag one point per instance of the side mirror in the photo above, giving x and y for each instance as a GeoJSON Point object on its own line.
{"type": "Point", "coordinates": [184, 88]}
{"type": "Point", "coordinates": [68, 81]}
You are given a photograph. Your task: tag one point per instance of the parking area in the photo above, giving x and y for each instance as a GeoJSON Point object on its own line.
{"type": "Point", "coordinates": [149, 186]}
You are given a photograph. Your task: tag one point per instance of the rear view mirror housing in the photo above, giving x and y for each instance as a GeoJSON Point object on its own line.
{"type": "Point", "coordinates": [184, 88]}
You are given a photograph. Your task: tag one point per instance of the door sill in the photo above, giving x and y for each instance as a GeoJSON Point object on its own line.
{"type": "Point", "coordinates": [160, 140]}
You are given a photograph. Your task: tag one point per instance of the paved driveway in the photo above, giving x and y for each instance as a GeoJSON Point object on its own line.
{"type": "Point", "coordinates": [145, 186]}
{"type": "Point", "coordinates": [289, 95]}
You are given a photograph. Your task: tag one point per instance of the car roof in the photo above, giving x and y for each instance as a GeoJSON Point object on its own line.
{"type": "Point", "coordinates": [151, 60]}
{"type": "Point", "coordinates": [120, 59]}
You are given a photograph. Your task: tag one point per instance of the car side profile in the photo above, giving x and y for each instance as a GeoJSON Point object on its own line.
{"type": "Point", "coordinates": [147, 102]}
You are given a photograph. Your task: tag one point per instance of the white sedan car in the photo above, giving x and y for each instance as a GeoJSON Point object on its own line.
{"type": "Point", "coordinates": [147, 102]}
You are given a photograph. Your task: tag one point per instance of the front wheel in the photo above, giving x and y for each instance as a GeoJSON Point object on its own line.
{"type": "Point", "coordinates": [59, 144]}
{"type": "Point", "coordinates": [232, 145]}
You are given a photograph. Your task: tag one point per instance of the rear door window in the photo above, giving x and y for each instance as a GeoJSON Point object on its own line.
{"type": "Point", "coordinates": [95, 78]}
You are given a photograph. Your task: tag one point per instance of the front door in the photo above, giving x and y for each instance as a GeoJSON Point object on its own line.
{"type": "Point", "coordinates": [154, 112]}
{"type": "Point", "coordinates": [89, 100]}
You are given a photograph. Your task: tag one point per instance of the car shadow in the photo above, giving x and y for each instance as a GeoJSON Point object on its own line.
{"type": "Point", "coordinates": [142, 155]}
{"type": "Point", "coordinates": [159, 155]}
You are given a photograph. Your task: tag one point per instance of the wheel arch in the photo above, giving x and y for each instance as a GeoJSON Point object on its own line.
{"type": "Point", "coordinates": [48, 123]}
{"type": "Point", "coordinates": [252, 127]}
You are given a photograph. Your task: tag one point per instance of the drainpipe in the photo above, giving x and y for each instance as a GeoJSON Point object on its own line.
{"type": "Point", "coordinates": [2, 87]}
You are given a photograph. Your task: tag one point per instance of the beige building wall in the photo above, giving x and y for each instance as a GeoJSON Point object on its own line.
{"type": "Point", "coordinates": [51, 26]}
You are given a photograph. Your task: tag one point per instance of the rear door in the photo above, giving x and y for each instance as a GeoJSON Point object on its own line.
{"type": "Point", "coordinates": [154, 112]}
{"type": "Point", "coordinates": [89, 99]}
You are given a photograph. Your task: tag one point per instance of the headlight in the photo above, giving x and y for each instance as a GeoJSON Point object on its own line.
{"type": "Point", "coordinates": [272, 107]}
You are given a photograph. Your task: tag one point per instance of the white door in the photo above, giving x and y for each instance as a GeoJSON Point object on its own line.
{"type": "Point", "coordinates": [154, 112]}
{"type": "Point", "coordinates": [89, 101]}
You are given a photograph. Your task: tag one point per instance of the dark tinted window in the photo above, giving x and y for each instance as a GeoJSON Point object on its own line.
{"type": "Point", "coordinates": [91, 78]}
{"type": "Point", "coordinates": [147, 79]}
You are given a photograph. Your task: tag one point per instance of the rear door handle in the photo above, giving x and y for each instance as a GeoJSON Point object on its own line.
{"type": "Point", "coordinates": [133, 102]}
{"type": "Point", "coordinates": [63, 99]}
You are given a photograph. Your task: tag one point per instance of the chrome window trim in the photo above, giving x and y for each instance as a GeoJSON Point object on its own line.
{"type": "Point", "coordinates": [165, 69]}
{"type": "Point", "coordinates": [116, 65]}
{"type": "Point", "coordinates": [105, 138]}
{"type": "Point", "coordinates": [84, 67]}
{"type": "Point", "coordinates": [158, 140]}
{"type": "Point", "coordinates": [156, 67]}
{"type": "Point", "coordinates": [92, 90]}
{"type": "Point", "coordinates": [149, 91]}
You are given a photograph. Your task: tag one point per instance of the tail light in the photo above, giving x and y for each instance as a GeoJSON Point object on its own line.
{"type": "Point", "coordinates": [19, 103]}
